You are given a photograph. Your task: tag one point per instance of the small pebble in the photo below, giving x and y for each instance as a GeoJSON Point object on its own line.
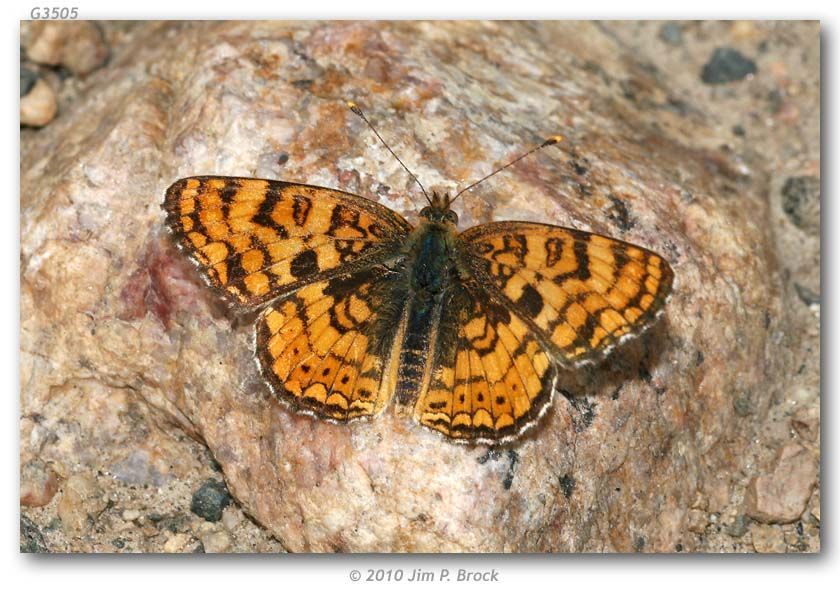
{"type": "Point", "coordinates": [801, 202]}
{"type": "Point", "coordinates": [739, 526]}
{"type": "Point", "coordinates": [76, 45]}
{"type": "Point", "coordinates": [806, 423]}
{"type": "Point", "coordinates": [31, 538]}
{"type": "Point", "coordinates": [176, 542]}
{"type": "Point", "coordinates": [727, 65]}
{"type": "Point", "coordinates": [39, 106]}
{"type": "Point", "coordinates": [81, 502]}
{"type": "Point", "coordinates": [130, 515]}
{"type": "Point", "coordinates": [38, 484]}
{"type": "Point", "coordinates": [743, 405]}
{"type": "Point", "coordinates": [808, 296]}
{"type": "Point", "coordinates": [671, 33]}
{"type": "Point", "coordinates": [231, 517]}
{"type": "Point", "coordinates": [697, 520]}
{"type": "Point", "coordinates": [28, 77]}
{"type": "Point", "coordinates": [218, 541]}
{"type": "Point", "coordinates": [210, 500]}
{"type": "Point", "coordinates": [768, 539]}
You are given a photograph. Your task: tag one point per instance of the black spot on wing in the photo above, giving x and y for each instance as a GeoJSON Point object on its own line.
{"type": "Point", "coordinates": [582, 256]}
{"type": "Point", "coordinates": [304, 264]}
{"type": "Point", "coordinates": [530, 303]}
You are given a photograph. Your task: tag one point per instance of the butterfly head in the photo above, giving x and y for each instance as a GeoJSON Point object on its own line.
{"type": "Point", "coordinates": [438, 210]}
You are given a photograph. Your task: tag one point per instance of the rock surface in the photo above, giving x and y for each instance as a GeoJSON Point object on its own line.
{"type": "Point", "coordinates": [648, 452]}
{"type": "Point", "coordinates": [781, 495]}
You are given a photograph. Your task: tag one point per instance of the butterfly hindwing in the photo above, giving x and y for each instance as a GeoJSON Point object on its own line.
{"type": "Point", "coordinates": [491, 378]}
{"type": "Point", "coordinates": [328, 348]}
{"type": "Point", "coordinates": [256, 239]}
{"type": "Point", "coordinates": [584, 293]}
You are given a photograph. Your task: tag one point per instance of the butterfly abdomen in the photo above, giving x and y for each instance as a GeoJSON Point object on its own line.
{"type": "Point", "coordinates": [430, 267]}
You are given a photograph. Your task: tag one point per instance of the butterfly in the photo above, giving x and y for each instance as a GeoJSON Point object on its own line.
{"type": "Point", "coordinates": [463, 331]}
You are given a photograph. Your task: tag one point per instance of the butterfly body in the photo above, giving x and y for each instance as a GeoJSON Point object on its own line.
{"type": "Point", "coordinates": [465, 332]}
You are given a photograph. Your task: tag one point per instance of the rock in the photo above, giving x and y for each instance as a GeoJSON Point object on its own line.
{"type": "Point", "coordinates": [801, 202]}
{"type": "Point", "coordinates": [768, 539]}
{"type": "Point", "coordinates": [216, 541]}
{"type": "Point", "coordinates": [727, 65]}
{"type": "Point", "coordinates": [210, 500]}
{"type": "Point", "coordinates": [739, 526]}
{"type": "Point", "coordinates": [28, 78]}
{"type": "Point", "coordinates": [38, 484]}
{"type": "Point", "coordinates": [138, 468]}
{"type": "Point", "coordinates": [807, 295]}
{"type": "Point", "coordinates": [814, 505]}
{"type": "Point", "coordinates": [81, 502]}
{"type": "Point", "coordinates": [781, 495]}
{"type": "Point", "coordinates": [743, 405]}
{"type": "Point", "coordinates": [76, 45]}
{"type": "Point", "coordinates": [130, 514]}
{"type": "Point", "coordinates": [31, 538]}
{"type": "Point", "coordinates": [107, 304]}
{"type": "Point", "coordinates": [806, 422]}
{"type": "Point", "coordinates": [671, 33]}
{"type": "Point", "coordinates": [177, 542]}
{"type": "Point", "coordinates": [232, 517]}
{"type": "Point", "coordinates": [39, 106]}
{"type": "Point", "coordinates": [697, 520]}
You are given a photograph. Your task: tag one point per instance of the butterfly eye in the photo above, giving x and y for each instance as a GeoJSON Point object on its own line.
{"type": "Point", "coordinates": [452, 216]}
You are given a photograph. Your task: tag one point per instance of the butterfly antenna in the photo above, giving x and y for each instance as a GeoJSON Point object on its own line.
{"type": "Point", "coordinates": [556, 139]}
{"type": "Point", "coordinates": [355, 108]}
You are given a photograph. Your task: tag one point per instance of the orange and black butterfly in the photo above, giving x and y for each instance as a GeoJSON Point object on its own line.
{"type": "Point", "coordinates": [463, 330]}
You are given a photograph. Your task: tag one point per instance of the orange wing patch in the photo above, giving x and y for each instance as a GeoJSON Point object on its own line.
{"type": "Point", "coordinates": [491, 378]}
{"type": "Point", "coordinates": [325, 350]}
{"type": "Point", "coordinates": [583, 292]}
{"type": "Point", "coordinates": [256, 239]}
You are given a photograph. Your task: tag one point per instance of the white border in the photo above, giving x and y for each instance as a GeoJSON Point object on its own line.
{"type": "Point", "coordinates": [294, 576]}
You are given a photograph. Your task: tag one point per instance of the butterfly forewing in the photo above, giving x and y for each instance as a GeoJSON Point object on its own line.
{"type": "Point", "coordinates": [583, 292]}
{"type": "Point", "coordinates": [256, 239]}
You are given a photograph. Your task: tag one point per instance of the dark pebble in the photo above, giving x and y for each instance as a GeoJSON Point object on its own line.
{"type": "Point", "coordinates": [727, 65]}
{"type": "Point", "coordinates": [283, 158]}
{"type": "Point", "coordinates": [31, 538]}
{"type": "Point", "coordinates": [808, 296]}
{"type": "Point", "coordinates": [567, 484]}
{"type": "Point", "coordinates": [28, 77]}
{"type": "Point", "coordinates": [118, 543]}
{"type": "Point", "coordinates": [739, 131]}
{"type": "Point", "coordinates": [639, 544]}
{"type": "Point", "coordinates": [210, 500]}
{"type": "Point", "coordinates": [799, 196]}
{"type": "Point", "coordinates": [671, 33]}
{"type": "Point", "coordinates": [743, 405]}
{"type": "Point", "coordinates": [738, 527]}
